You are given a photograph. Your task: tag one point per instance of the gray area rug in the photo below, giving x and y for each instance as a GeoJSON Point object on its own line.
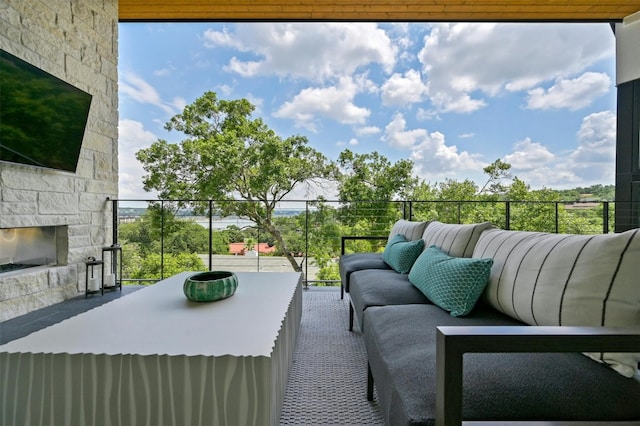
{"type": "Point", "coordinates": [328, 379]}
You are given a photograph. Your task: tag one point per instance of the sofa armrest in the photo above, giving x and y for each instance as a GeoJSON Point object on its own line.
{"type": "Point", "coordinates": [453, 342]}
{"type": "Point", "coordinates": [362, 237]}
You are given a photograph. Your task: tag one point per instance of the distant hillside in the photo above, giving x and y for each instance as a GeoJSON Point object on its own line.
{"type": "Point", "coordinates": [591, 193]}
{"type": "Point", "coordinates": [594, 192]}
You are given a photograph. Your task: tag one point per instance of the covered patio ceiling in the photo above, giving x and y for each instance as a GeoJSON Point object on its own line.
{"type": "Point", "coordinates": [377, 10]}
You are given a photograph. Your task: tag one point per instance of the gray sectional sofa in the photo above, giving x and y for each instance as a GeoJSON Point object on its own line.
{"type": "Point", "coordinates": [554, 334]}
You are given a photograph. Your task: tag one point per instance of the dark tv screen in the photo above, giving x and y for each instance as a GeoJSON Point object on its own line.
{"type": "Point", "coordinates": [42, 118]}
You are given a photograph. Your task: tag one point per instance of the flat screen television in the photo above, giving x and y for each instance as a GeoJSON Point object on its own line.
{"type": "Point", "coordinates": [42, 118]}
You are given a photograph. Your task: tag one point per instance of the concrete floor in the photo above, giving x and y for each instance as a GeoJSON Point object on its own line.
{"type": "Point", "coordinates": [26, 324]}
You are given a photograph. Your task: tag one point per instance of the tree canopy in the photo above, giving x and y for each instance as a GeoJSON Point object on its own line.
{"type": "Point", "coordinates": [228, 155]}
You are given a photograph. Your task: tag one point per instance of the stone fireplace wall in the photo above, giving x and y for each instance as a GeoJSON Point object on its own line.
{"type": "Point", "coordinates": [77, 41]}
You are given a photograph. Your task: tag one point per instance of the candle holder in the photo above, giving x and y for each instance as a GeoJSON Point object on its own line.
{"type": "Point", "coordinates": [92, 284]}
{"type": "Point", "coordinates": [112, 255]}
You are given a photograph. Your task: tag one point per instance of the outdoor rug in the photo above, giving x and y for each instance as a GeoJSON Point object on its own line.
{"type": "Point", "coordinates": [328, 378]}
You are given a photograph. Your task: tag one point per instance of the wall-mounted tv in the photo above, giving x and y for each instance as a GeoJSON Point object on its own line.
{"type": "Point", "coordinates": [42, 118]}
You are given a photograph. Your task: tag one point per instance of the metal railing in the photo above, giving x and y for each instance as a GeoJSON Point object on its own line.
{"type": "Point", "coordinates": [163, 237]}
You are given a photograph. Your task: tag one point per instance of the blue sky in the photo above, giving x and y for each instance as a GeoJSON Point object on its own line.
{"type": "Point", "coordinates": [451, 97]}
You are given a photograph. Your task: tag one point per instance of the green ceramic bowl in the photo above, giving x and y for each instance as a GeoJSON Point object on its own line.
{"type": "Point", "coordinates": [210, 286]}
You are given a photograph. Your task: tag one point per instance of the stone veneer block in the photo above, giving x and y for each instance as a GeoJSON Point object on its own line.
{"type": "Point", "coordinates": [76, 41]}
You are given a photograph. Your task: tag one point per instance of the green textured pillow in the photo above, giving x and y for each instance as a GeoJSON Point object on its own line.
{"type": "Point", "coordinates": [400, 253]}
{"type": "Point", "coordinates": [453, 283]}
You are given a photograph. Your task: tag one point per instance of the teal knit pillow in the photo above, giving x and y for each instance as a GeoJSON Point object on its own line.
{"type": "Point", "coordinates": [400, 253]}
{"type": "Point", "coordinates": [453, 283]}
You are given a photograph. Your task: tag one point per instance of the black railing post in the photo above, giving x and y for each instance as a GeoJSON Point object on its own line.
{"type": "Point", "coordinates": [258, 251]}
{"type": "Point", "coordinates": [162, 240]}
{"type": "Point", "coordinates": [210, 235]}
{"type": "Point", "coordinates": [459, 212]}
{"type": "Point", "coordinates": [410, 210]}
{"type": "Point", "coordinates": [557, 219]}
{"type": "Point", "coordinates": [605, 217]}
{"type": "Point", "coordinates": [114, 223]}
{"type": "Point", "coordinates": [306, 246]}
{"type": "Point", "coordinates": [507, 214]}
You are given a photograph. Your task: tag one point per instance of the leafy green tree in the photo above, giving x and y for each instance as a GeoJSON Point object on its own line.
{"type": "Point", "coordinates": [180, 236]}
{"type": "Point", "coordinates": [235, 234]}
{"type": "Point", "coordinates": [156, 267]}
{"type": "Point", "coordinates": [598, 192]}
{"type": "Point", "coordinates": [151, 266]}
{"type": "Point", "coordinates": [450, 209]}
{"type": "Point", "coordinates": [131, 260]}
{"type": "Point", "coordinates": [293, 230]}
{"type": "Point", "coordinates": [227, 155]}
{"type": "Point", "coordinates": [324, 232]}
{"type": "Point", "coordinates": [220, 242]}
{"type": "Point", "coordinates": [368, 184]}
{"type": "Point", "coordinates": [497, 171]}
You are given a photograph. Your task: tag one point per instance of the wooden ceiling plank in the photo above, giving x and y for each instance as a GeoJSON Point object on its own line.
{"type": "Point", "coordinates": [384, 10]}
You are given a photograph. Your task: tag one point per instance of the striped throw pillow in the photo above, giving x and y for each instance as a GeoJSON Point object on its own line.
{"type": "Point", "coordinates": [409, 229]}
{"type": "Point", "coordinates": [567, 280]}
{"type": "Point", "coordinates": [455, 240]}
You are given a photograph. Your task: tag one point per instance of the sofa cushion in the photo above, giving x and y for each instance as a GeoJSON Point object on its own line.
{"type": "Point", "coordinates": [357, 262]}
{"type": "Point", "coordinates": [382, 287]}
{"type": "Point", "coordinates": [400, 253]}
{"type": "Point", "coordinates": [453, 283]}
{"type": "Point", "coordinates": [349, 263]}
{"type": "Point", "coordinates": [401, 350]}
{"type": "Point", "coordinates": [410, 229]}
{"type": "Point", "coordinates": [455, 240]}
{"type": "Point", "coordinates": [572, 280]}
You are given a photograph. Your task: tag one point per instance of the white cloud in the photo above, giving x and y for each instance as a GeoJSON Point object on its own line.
{"type": "Point", "coordinates": [224, 38]}
{"type": "Point", "coordinates": [312, 51]}
{"type": "Point", "coordinates": [592, 162]}
{"type": "Point", "coordinates": [179, 102]}
{"type": "Point", "coordinates": [369, 130]}
{"type": "Point", "coordinates": [403, 89]}
{"type": "Point", "coordinates": [432, 157]}
{"type": "Point", "coordinates": [595, 157]}
{"type": "Point", "coordinates": [427, 114]}
{"type": "Point", "coordinates": [163, 72]}
{"type": "Point", "coordinates": [335, 102]}
{"type": "Point", "coordinates": [132, 136]}
{"type": "Point", "coordinates": [245, 69]}
{"type": "Point", "coordinates": [139, 90]}
{"type": "Point", "coordinates": [529, 156]}
{"type": "Point", "coordinates": [557, 177]}
{"type": "Point", "coordinates": [396, 135]}
{"type": "Point", "coordinates": [353, 142]}
{"type": "Point", "coordinates": [538, 167]}
{"type": "Point", "coordinates": [225, 89]}
{"type": "Point", "coordinates": [466, 62]}
{"type": "Point", "coordinates": [572, 94]}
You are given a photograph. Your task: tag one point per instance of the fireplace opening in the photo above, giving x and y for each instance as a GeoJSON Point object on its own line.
{"type": "Point", "coordinates": [28, 247]}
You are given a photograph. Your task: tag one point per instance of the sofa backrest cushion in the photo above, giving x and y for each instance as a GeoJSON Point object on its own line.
{"type": "Point", "coordinates": [568, 280]}
{"type": "Point", "coordinates": [453, 283]}
{"type": "Point", "coordinates": [400, 253]}
{"type": "Point", "coordinates": [409, 229]}
{"type": "Point", "coordinates": [454, 239]}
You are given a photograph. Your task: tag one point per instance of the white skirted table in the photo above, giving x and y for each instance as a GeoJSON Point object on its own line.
{"type": "Point", "coordinates": [155, 358]}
